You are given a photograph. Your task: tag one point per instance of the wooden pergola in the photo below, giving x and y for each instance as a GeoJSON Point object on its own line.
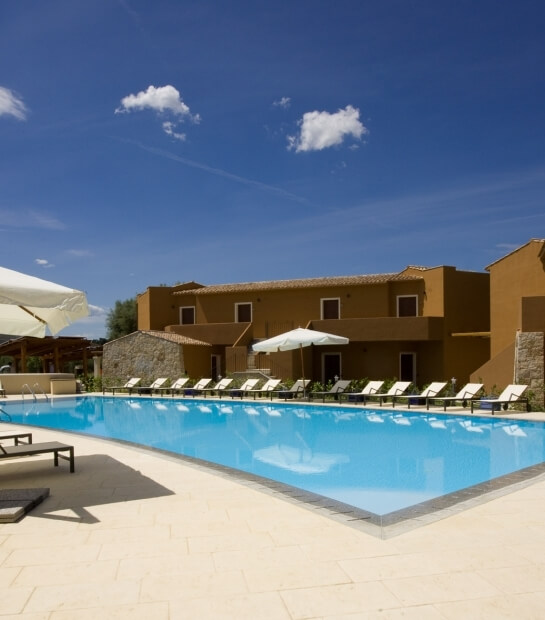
{"type": "Point", "coordinates": [54, 352]}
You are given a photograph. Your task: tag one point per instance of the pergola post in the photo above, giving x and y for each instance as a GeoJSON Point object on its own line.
{"type": "Point", "coordinates": [23, 355]}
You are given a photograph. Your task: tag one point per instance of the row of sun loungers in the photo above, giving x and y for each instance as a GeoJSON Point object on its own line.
{"type": "Point", "coordinates": [202, 388]}
{"type": "Point", "coordinates": [396, 394]}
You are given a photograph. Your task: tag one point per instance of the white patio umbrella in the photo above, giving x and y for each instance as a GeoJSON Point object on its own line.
{"type": "Point", "coordinates": [297, 339]}
{"type": "Point", "coordinates": [29, 305]}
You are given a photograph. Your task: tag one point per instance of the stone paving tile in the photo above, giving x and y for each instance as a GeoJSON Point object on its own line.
{"type": "Point", "coordinates": [294, 575]}
{"type": "Point", "coordinates": [436, 588]}
{"type": "Point", "coordinates": [181, 565]}
{"type": "Point", "coordinates": [134, 549]}
{"type": "Point", "coordinates": [82, 596]}
{"type": "Point", "coordinates": [175, 586]}
{"type": "Point", "coordinates": [521, 607]}
{"type": "Point", "coordinates": [262, 606]}
{"type": "Point", "coordinates": [49, 555]}
{"type": "Point", "coordinates": [432, 562]}
{"type": "Point", "coordinates": [67, 573]}
{"type": "Point", "coordinates": [340, 599]}
{"type": "Point", "coordinates": [529, 578]}
{"type": "Point", "coordinates": [420, 612]}
{"type": "Point", "coordinates": [13, 599]}
{"type": "Point", "coordinates": [142, 611]}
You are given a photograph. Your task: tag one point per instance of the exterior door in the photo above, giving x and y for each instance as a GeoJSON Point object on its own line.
{"type": "Point", "coordinates": [407, 367]}
{"type": "Point", "coordinates": [331, 367]}
{"type": "Point", "coordinates": [215, 367]}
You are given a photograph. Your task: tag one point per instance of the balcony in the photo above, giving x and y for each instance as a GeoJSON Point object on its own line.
{"type": "Point", "coordinates": [386, 329]}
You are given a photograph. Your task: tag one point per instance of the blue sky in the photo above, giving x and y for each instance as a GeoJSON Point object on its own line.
{"type": "Point", "coordinates": [148, 143]}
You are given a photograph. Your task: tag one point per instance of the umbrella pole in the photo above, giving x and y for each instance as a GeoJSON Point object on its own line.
{"type": "Point", "coordinates": [303, 370]}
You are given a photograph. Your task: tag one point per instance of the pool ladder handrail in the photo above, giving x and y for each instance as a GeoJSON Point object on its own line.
{"type": "Point", "coordinates": [32, 391]}
{"type": "Point", "coordinates": [4, 412]}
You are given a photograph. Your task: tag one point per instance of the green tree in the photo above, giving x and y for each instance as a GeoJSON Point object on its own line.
{"type": "Point", "coordinates": [122, 319]}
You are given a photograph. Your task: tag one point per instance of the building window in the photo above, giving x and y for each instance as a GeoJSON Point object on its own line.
{"type": "Point", "coordinates": [330, 308]}
{"type": "Point", "coordinates": [407, 305]}
{"type": "Point", "coordinates": [187, 315]}
{"type": "Point", "coordinates": [243, 313]}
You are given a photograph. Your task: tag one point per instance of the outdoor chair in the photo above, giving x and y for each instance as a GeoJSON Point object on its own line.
{"type": "Point", "coordinates": [18, 438]}
{"type": "Point", "coordinates": [198, 387]}
{"type": "Point", "coordinates": [220, 387]}
{"type": "Point", "coordinates": [372, 387]}
{"type": "Point", "coordinates": [296, 390]}
{"type": "Point", "coordinates": [32, 449]}
{"type": "Point", "coordinates": [177, 386]}
{"type": "Point", "coordinates": [158, 383]}
{"type": "Point", "coordinates": [129, 386]}
{"type": "Point", "coordinates": [467, 393]}
{"type": "Point", "coordinates": [512, 394]}
{"type": "Point", "coordinates": [431, 391]}
{"type": "Point", "coordinates": [397, 389]}
{"type": "Point", "coordinates": [249, 384]}
{"type": "Point", "coordinates": [339, 387]}
{"type": "Point", "coordinates": [266, 389]}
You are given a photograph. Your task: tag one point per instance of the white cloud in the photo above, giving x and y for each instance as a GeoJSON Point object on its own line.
{"type": "Point", "coordinates": [321, 130]}
{"type": "Point", "coordinates": [164, 99]}
{"type": "Point", "coordinates": [96, 311]}
{"type": "Point", "coordinates": [169, 129]}
{"type": "Point", "coordinates": [43, 262]}
{"type": "Point", "coordinates": [283, 102]}
{"type": "Point", "coordinates": [11, 104]}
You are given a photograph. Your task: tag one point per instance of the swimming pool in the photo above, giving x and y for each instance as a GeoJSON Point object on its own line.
{"type": "Point", "coordinates": [378, 461]}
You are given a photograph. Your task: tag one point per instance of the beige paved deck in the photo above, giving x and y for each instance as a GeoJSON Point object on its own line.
{"type": "Point", "coordinates": [136, 535]}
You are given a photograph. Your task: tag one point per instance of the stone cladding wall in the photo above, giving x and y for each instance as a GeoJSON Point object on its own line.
{"type": "Point", "coordinates": [141, 355]}
{"type": "Point", "coordinates": [530, 364]}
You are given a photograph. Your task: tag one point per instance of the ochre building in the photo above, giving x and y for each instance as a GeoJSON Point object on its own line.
{"type": "Point", "coordinates": [421, 324]}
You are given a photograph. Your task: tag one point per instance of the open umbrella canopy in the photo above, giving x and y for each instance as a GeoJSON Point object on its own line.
{"type": "Point", "coordinates": [29, 305]}
{"type": "Point", "coordinates": [297, 338]}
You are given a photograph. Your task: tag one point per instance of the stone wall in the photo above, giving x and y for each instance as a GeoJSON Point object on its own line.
{"type": "Point", "coordinates": [530, 364]}
{"type": "Point", "coordinates": [141, 355]}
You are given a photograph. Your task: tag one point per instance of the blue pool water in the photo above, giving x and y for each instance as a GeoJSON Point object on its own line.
{"type": "Point", "coordinates": [379, 461]}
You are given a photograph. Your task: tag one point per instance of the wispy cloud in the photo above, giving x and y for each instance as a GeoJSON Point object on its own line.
{"type": "Point", "coordinates": [170, 129]}
{"type": "Point", "coordinates": [12, 105]}
{"type": "Point", "coordinates": [23, 219]}
{"type": "Point", "coordinates": [43, 262]}
{"type": "Point", "coordinates": [78, 253]}
{"type": "Point", "coordinates": [321, 130]}
{"type": "Point", "coordinates": [221, 173]}
{"type": "Point", "coordinates": [283, 102]}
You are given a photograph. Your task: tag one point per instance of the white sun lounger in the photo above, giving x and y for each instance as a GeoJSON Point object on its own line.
{"type": "Point", "coordinates": [432, 390]}
{"type": "Point", "coordinates": [370, 389]}
{"type": "Point", "coordinates": [512, 394]}
{"type": "Point", "coordinates": [129, 386]}
{"type": "Point", "coordinates": [466, 394]}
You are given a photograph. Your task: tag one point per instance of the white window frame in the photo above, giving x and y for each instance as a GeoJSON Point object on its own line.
{"type": "Point", "coordinates": [337, 299]}
{"type": "Point", "coordinates": [194, 314]}
{"type": "Point", "coordinates": [244, 303]}
{"type": "Point", "coordinates": [405, 297]}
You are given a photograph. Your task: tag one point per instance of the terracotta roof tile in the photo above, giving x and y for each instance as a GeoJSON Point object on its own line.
{"type": "Point", "coordinates": [178, 338]}
{"type": "Point", "coordinates": [269, 285]}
